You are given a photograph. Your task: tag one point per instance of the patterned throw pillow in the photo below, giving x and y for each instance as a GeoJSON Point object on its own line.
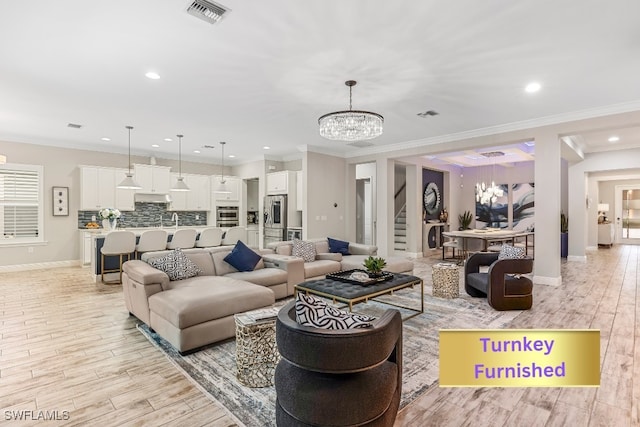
{"type": "Point", "coordinates": [303, 249]}
{"type": "Point", "coordinates": [510, 252]}
{"type": "Point", "coordinates": [311, 311]}
{"type": "Point", "coordinates": [177, 265]}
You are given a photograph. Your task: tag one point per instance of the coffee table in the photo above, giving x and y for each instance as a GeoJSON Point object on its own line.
{"type": "Point", "coordinates": [351, 293]}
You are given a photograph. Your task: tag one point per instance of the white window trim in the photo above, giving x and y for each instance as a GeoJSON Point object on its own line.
{"type": "Point", "coordinates": [40, 170]}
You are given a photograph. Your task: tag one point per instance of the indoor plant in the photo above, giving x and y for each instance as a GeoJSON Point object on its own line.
{"type": "Point", "coordinates": [374, 266]}
{"type": "Point", "coordinates": [564, 235]}
{"type": "Point", "coordinates": [464, 220]}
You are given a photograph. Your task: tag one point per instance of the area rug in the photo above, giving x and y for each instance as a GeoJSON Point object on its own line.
{"type": "Point", "coordinates": [213, 368]}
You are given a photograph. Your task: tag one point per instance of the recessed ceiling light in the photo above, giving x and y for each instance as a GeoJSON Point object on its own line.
{"type": "Point", "coordinates": [533, 87]}
{"type": "Point", "coordinates": [155, 145]}
{"type": "Point", "coordinates": [196, 151]}
{"type": "Point", "coordinates": [266, 147]}
{"type": "Point", "coordinates": [168, 139]}
{"type": "Point", "coordinates": [152, 75]}
{"type": "Point", "coordinates": [231, 156]}
{"type": "Point", "coordinates": [614, 139]}
{"type": "Point", "coordinates": [106, 139]}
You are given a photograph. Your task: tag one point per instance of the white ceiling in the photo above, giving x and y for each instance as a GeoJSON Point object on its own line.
{"type": "Point", "coordinates": [265, 73]}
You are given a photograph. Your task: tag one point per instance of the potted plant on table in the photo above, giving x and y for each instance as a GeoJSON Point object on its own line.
{"type": "Point", "coordinates": [564, 235]}
{"type": "Point", "coordinates": [109, 218]}
{"type": "Point", "coordinates": [374, 266]}
{"type": "Point", "coordinates": [464, 220]}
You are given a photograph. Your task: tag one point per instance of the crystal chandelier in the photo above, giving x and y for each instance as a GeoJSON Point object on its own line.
{"type": "Point", "coordinates": [486, 194]}
{"type": "Point", "coordinates": [350, 125]}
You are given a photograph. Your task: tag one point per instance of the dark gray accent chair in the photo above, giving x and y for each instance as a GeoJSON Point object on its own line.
{"type": "Point", "coordinates": [501, 285]}
{"type": "Point", "coordinates": [350, 377]}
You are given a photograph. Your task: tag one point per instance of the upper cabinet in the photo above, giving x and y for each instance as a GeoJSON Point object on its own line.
{"type": "Point", "coordinates": [153, 179]}
{"type": "Point", "coordinates": [98, 189]}
{"type": "Point", "coordinates": [233, 186]}
{"type": "Point", "coordinates": [283, 182]}
{"type": "Point", "coordinates": [198, 196]}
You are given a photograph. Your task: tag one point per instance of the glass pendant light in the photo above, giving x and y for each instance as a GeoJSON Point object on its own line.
{"type": "Point", "coordinates": [222, 186]}
{"type": "Point", "coordinates": [128, 182]}
{"type": "Point", "coordinates": [180, 184]}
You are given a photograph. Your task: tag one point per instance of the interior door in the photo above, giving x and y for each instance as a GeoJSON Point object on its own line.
{"type": "Point", "coordinates": [628, 220]}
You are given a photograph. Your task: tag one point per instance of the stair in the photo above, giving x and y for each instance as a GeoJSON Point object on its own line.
{"type": "Point", "coordinates": [400, 231]}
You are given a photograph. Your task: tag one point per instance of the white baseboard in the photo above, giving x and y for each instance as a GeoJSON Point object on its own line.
{"type": "Point", "coordinates": [38, 266]}
{"type": "Point", "coordinates": [549, 281]}
{"type": "Point", "coordinates": [579, 258]}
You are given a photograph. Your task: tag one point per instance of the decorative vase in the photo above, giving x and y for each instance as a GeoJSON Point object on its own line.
{"type": "Point", "coordinates": [109, 224]}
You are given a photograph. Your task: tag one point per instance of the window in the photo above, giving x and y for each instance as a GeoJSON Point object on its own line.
{"type": "Point", "coordinates": [20, 203]}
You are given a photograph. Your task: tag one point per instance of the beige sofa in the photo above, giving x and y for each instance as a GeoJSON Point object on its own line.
{"type": "Point", "coordinates": [326, 262]}
{"type": "Point", "coordinates": [194, 312]}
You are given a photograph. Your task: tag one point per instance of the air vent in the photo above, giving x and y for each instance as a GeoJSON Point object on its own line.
{"type": "Point", "coordinates": [361, 144]}
{"type": "Point", "coordinates": [428, 113]}
{"type": "Point", "coordinates": [74, 125]}
{"type": "Point", "coordinates": [207, 11]}
{"type": "Point", "coordinates": [493, 154]}
{"type": "Point", "coordinates": [208, 146]}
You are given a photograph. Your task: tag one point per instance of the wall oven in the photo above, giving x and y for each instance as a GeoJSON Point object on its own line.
{"type": "Point", "coordinates": [227, 216]}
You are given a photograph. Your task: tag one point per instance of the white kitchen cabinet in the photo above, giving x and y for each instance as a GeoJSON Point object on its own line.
{"type": "Point", "coordinates": [278, 182]}
{"type": "Point", "coordinates": [86, 247]}
{"type": "Point", "coordinates": [97, 188]}
{"type": "Point", "coordinates": [196, 199]}
{"type": "Point", "coordinates": [253, 195]}
{"type": "Point", "coordinates": [124, 197]}
{"type": "Point", "coordinates": [233, 185]}
{"type": "Point", "coordinates": [152, 179]}
{"type": "Point", "coordinates": [253, 238]}
{"type": "Point", "coordinates": [299, 190]}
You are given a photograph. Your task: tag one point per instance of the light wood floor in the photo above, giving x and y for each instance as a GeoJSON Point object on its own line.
{"type": "Point", "coordinates": [68, 344]}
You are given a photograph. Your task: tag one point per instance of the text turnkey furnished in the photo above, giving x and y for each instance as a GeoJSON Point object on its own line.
{"type": "Point", "coordinates": [520, 358]}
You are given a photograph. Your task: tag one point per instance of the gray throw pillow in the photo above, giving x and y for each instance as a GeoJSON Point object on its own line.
{"type": "Point", "coordinates": [311, 311]}
{"type": "Point", "coordinates": [177, 265]}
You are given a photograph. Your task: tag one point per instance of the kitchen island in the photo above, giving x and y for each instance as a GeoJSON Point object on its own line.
{"type": "Point", "coordinates": [95, 240]}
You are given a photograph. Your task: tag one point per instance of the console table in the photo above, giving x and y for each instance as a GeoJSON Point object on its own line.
{"type": "Point", "coordinates": [606, 234]}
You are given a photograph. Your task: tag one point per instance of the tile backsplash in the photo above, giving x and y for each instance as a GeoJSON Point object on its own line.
{"type": "Point", "coordinates": [148, 215]}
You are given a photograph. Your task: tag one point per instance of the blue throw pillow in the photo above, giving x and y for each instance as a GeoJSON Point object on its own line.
{"type": "Point", "coordinates": [242, 258]}
{"type": "Point", "coordinates": [338, 246]}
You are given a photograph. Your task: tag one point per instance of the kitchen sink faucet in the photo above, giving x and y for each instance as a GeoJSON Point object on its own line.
{"type": "Point", "coordinates": [174, 217]}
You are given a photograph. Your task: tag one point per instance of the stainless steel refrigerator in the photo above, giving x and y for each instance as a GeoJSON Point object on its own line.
{"type": "Point", "coordinates": [275, 219]}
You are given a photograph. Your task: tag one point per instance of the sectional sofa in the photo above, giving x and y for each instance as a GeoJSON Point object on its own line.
{"type": "Point", "coordinates": [199, 310]}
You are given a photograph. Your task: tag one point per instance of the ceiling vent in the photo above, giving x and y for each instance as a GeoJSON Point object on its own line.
{"type": "Point", "coordinates": [493, 154]}
{"type": "Point", "coordinates": [207, 11]}
{"type": "Point", "coordinates": [74, 125]}
{"type": "Point", "coordinates": [428, 113]}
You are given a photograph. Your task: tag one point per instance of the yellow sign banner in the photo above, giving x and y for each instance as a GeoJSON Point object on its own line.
{"type": "Point", "coordinates": [520, 358]}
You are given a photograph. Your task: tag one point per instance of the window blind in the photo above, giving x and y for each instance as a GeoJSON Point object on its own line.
{"type": "Point", "coordinates": [19, 203]}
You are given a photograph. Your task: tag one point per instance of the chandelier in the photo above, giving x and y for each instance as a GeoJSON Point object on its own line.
{"type": "Point", "coordinates": [488, 194]}
{"type": "Point", "coordinates": [350, 125]}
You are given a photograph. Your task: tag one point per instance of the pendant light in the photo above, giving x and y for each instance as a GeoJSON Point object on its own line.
{"type": "Point", "coordinates": [180, 184]}
{"type": "Point", "coordinates": [128, 182]}
{"type": "Point", "coordinates": [222, 187]}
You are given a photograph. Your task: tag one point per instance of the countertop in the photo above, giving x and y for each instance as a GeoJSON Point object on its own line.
{"type": "Point", "coordinates": [99, 232]}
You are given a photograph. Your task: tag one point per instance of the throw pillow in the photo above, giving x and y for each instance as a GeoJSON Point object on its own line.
{"type": "Point", "coordinates": [242, 257]}
{"type": "Point", "coordinates": [177, 265]}
{"type": "Point", "coordinates": [311, 311]}
{"type": "Point", "coordinates": [510, 252]}
{"type": "Point", "coordinates": [303, 249]}
{"type": "Point", "coordinates": [338, 246]}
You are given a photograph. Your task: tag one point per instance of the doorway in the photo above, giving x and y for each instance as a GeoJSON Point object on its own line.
{"type": "Point", "coordinates": [364, 211]}
{"type": "Point", "coordinates": [628, 214]}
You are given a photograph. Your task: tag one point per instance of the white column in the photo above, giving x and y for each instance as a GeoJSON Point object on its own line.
{"type": "Point", "coordinates": [547, 209]}
{"type": "Point", "coordinates": [384, 206]}
{"type": "Point", "coordinates": [414, 211]}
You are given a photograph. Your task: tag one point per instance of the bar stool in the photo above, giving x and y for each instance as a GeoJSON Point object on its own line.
{"type": "Point", "coordinates": [151, 240]}
{"type": "Point", "coordinates": [234, 234]}
{"type": "Point", "coordinates": [183, 239]}
{"type": "Point", "coordinates": [117, 243]}
{"type": "Point", "coordinates": [210, 237]}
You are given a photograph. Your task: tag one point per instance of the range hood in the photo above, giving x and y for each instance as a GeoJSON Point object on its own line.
{"type": "Point", "coordinates": [152, 198]}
